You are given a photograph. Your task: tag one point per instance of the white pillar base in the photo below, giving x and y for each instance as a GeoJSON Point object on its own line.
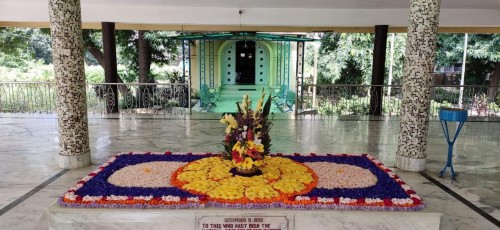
{"type": "Point", "coordinates": [73, 162]}
{"type": "Point", "coordinates": [410, 164]}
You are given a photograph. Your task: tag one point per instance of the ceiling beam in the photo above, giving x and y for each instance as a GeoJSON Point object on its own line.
{"type": "Point", "coordinates": [226, 28]}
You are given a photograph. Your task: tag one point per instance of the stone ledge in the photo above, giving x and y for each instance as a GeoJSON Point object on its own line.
{"type": "Point", "coordinates": [74, 218]}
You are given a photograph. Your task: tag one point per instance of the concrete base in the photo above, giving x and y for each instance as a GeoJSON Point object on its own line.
{"type": "Point", "coordinates": [410, 164]}
{"type": "Point", "coordinates": [72, 162]}
{"type": "Point", "coordinates": [73, 218]}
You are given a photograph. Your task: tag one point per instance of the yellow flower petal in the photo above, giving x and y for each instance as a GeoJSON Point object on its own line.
{"type": "Point", "coordinates": [247, 163]}
{"type": "Point", "coordinates": [250, 144]}
{"type": "Point", "coordinates": [259, 148]}
{"type": "Point", "coordinates": [261, 101]}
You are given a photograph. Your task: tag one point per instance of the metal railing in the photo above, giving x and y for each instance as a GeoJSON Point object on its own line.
{"type": "Point", "coordinates": [153, 98]}
{"type": "Point", "coordinates": [331, 99]}
{"type": "Point", "coordinates": [32, 97]}
{"type": "Point", "coordinates": [175, 98]}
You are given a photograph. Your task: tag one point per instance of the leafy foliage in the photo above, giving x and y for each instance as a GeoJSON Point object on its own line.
{"type": "Point", "coordinates": [162, 49]}
{"type": "Point", "coordinates": [339, 50]}
{"type": "Point", "coordinates": [40, 45]}
{"type": "Point", "coordinates": [483, 51]}
{"type": "Point", "coordinates": [14, 47]}
{"type": "Point", "coordinates": [347, 58]}
{"type": "Point", "coordinates": [14, 40]}
{"type": "Point", "coordinates": [398, 58]}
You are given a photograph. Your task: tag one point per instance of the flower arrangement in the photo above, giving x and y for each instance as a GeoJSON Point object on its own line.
{"type": "Point", "coordinates": [197, 180]}
{"type": "Point", "coordinates": [247, 134]}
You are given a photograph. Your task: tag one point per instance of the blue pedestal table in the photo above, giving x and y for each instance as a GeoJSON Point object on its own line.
{"type": "Point", "coordinates": [451, 115]}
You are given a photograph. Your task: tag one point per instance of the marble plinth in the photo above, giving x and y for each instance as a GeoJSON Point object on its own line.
{"type": "Point", "coordinates": [410, 164]}
{"type": "Point", "coordinates": [77, 161]}
{"type": "Point", "coordinates": [72, 218]}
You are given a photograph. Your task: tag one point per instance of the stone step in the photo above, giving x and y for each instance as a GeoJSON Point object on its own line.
{"type": "Point", "coordinates": [232, 97]}
{"type": "Point", "coordinates": [75, 218]}
{"type": "Point", "coordinates": [244, 88]}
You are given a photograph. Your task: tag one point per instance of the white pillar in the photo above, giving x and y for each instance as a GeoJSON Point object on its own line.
{"type": "Point", "coordinates": [389, 82]}
{"type": "Point", "coordinates": [462, 78]}
{"type": "Point", "coordinates": [315, 76]}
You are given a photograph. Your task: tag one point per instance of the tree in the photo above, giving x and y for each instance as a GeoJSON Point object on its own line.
{"type": "Point", "coordinates": [337, 49]}
{"type": "Point", "coordinates": [137, 50]}
{"type": "Point", "coordinates": [483, 57]}
{"type": "Point", "coordinates": [341, 52]}
{"type": "Point", "coordinates": [398, 58]}
{"type": "Point", "coordinates": [15, 47]}
{"type": "Point", "coordinates": [40, 45]}
{"type": "Point", "coordinates": [142, 48]}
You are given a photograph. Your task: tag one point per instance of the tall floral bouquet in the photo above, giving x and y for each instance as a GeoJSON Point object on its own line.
{"type": "Point", "coordinates": [247, 133]}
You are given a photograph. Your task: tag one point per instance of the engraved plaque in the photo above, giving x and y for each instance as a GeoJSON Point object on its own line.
{"type": "Point", "coordinates": [244, 222]}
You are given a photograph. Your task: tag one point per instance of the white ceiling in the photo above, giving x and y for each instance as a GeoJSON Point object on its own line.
{"type": "Point", "coordinates": [259, 13]}
{"type": "Point", "coordinates": [306, 4]}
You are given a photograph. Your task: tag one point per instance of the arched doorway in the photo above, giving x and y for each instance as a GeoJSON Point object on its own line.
{"type": "Point", "coordinates": [245, 62]}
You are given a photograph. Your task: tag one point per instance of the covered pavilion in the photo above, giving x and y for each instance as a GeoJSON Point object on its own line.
{"type": "Point", "coordinates": [421, 19]}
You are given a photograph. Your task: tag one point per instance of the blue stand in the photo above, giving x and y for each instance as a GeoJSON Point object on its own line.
{"type": "Point", "coordinates": [453, 115]}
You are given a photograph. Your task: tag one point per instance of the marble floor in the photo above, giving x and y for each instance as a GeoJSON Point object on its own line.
{"type": "Point", "coordinates": [29, 147]}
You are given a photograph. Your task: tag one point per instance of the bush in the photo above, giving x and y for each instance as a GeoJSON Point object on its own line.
{"type": "Point", "coordinates": [493, 107]}
{"type": "Point", "coordinates": [166, 73]}
{"type": "Point", "coordinates": [34, 72]}
{"type": "Point", "coordinates": [435, 106]}
{"type": "Point", "coordinates": [358, 106]}
{"type": "Point", "coordinates": [442, 95]}
{"type": "Point", "coordinates": [479, 104]}
{"type": "Point", "coordinates": [39, 72]}
{"type": "Point", "coordinates": [326, 108]}
{"type": "Point", "coordinates": [391, 106]}
{"type": "Point", "coordinates": [354, 106]}
{"type": "Point", "coordinates": [94, 74]}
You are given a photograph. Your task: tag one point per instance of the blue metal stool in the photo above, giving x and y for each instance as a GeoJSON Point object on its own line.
{"type": "Point", "coordinates": [453, 115]}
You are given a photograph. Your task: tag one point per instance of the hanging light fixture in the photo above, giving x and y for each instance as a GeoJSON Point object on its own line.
{"type": "Point", "coordinates": [241, 29]}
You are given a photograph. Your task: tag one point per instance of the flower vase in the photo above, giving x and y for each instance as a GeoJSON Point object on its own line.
{"type": "Point", "coordinates": [245, 171]}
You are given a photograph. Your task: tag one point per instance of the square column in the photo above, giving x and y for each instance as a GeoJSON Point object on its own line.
{"type": "Point", "coordinates": [378, 69]}
{"type": "Point", "coordinates": [110, 67]}
{"type": "Point", "coordinates": [418, 71]}
{"type": "Point", "coordinates": [67, 46]}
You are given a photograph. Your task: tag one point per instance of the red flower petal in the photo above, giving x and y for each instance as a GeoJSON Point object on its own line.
{"type": "Point", "coordinates": [250, 135]}
{"type": "Point", "coordinates": [236, 156]}
{"type": "Point", "coordinates": [416, 201]}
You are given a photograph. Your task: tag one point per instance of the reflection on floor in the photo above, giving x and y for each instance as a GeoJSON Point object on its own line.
{"type": "Point", "coordinates": [29, 146]}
